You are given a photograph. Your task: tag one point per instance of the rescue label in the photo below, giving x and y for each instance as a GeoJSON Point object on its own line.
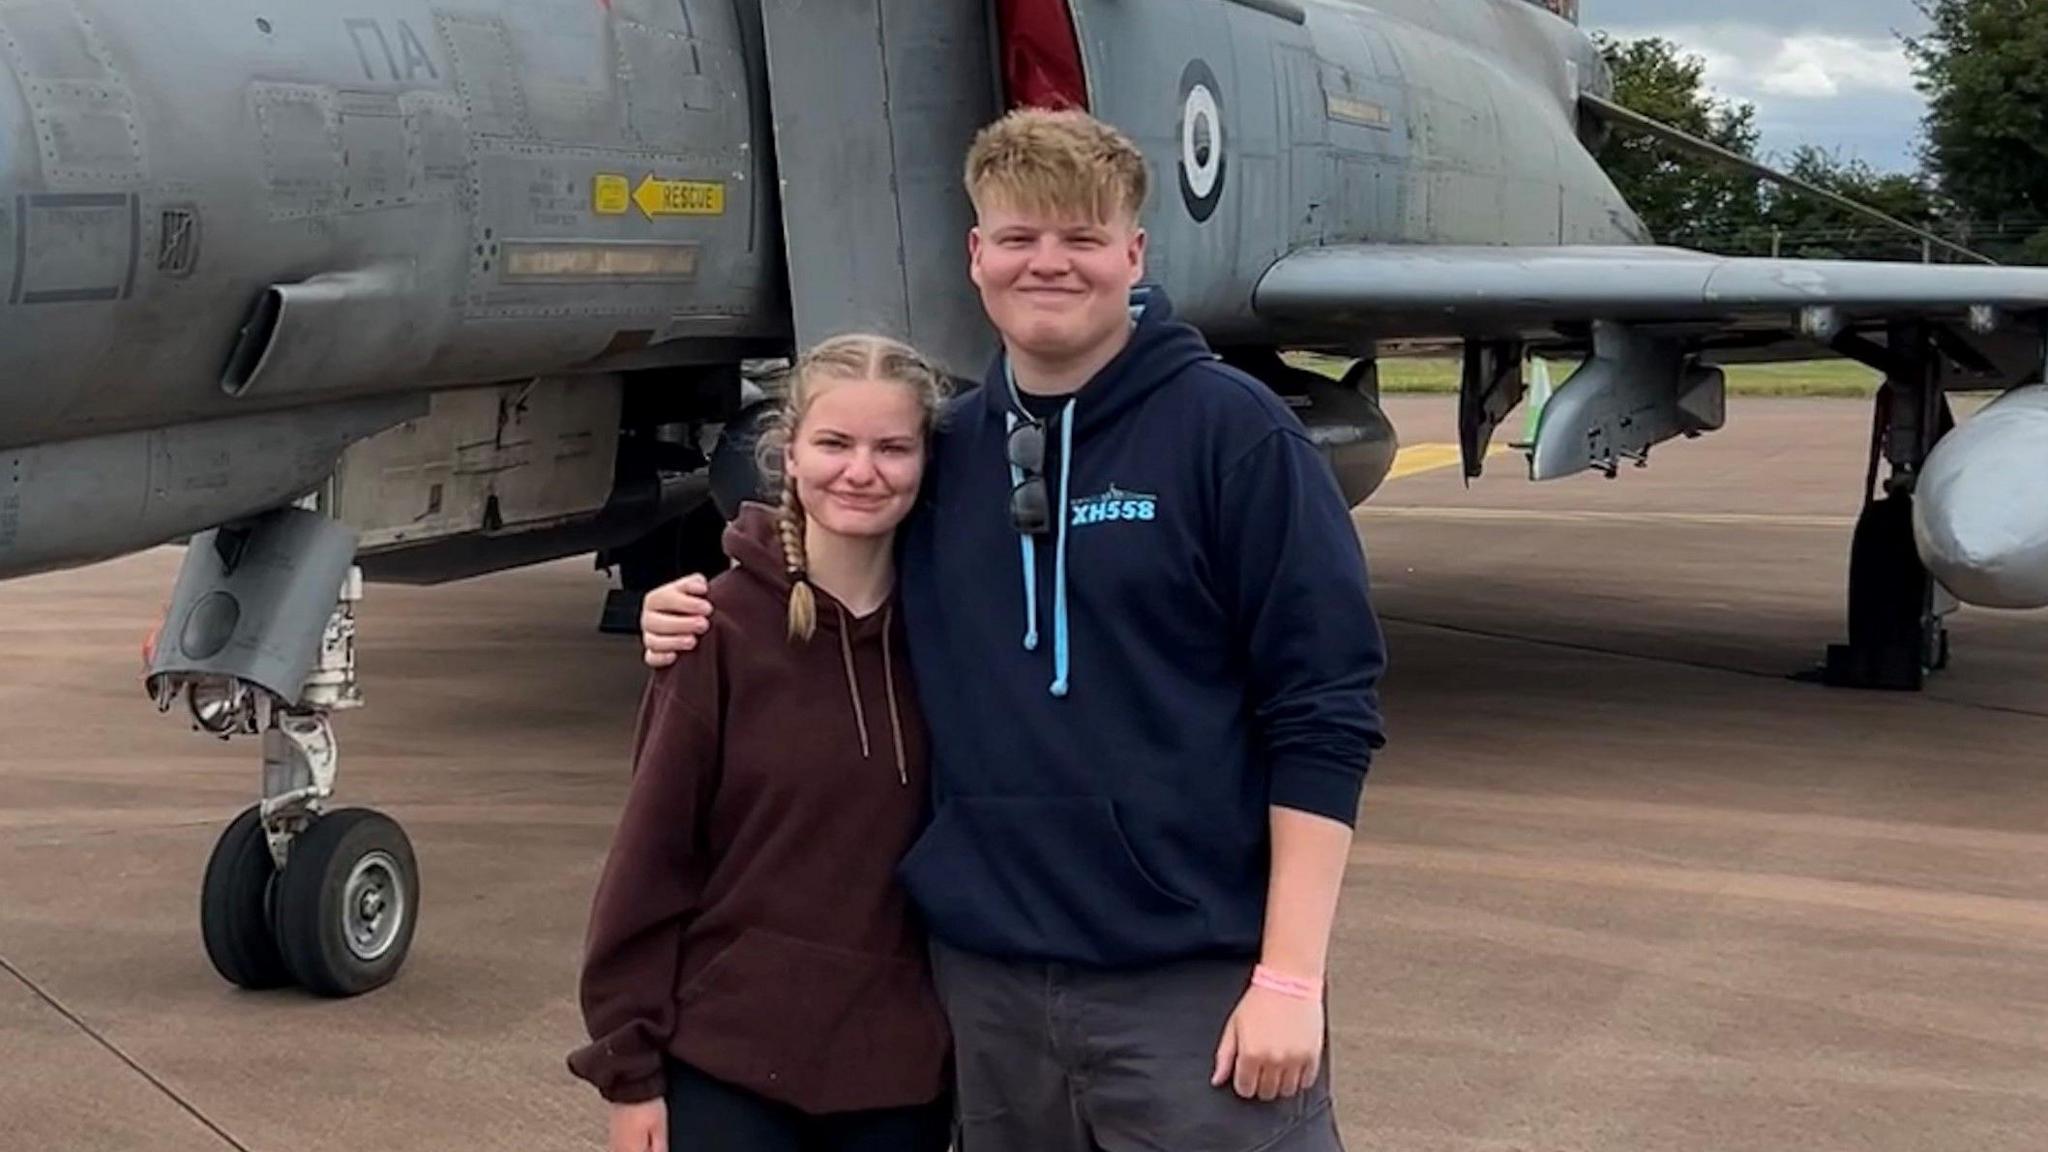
{"type": "Point", "coordinates": [679, 197]}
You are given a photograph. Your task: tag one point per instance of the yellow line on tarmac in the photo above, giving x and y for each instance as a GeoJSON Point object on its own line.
{"type": "Point", "coordinates": [1416, 459]}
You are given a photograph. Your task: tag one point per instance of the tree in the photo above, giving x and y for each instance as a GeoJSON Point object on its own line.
{"type": "Point", "coordinates": [1696, 202]}
{"type": "Point", "coordinates": [1806, 226]}
{"type": "Point", "coordinates": [1984, 69]}
{"type": "Point", "coordinates": [1682, 198]}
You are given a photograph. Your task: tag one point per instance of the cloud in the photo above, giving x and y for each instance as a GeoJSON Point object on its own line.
{"type": "Point", "coordinates": [1809, 67]}
{"type": "Point", "coordinates": [1749, 62]}
{"type": "Point", "coordinates": [1841, 90]}
{"type": "Point", "coordinates": [1854, 17]}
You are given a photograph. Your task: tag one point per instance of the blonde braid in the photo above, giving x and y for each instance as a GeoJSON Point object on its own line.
{"type": "Point", "coordinates": [803, 603]}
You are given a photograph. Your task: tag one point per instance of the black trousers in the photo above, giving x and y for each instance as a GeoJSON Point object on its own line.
{"type": "Point", "coordinates": [707, 1115]}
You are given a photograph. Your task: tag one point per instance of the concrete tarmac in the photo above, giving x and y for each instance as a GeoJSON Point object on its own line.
{"type": "Point", "coordinates": [1619, 883]}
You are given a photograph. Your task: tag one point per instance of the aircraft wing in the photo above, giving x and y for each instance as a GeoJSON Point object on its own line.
{"type": "Point", "coordinates": [1529, 292]}
{"type": "Point", "coordinates": [1652, 323]}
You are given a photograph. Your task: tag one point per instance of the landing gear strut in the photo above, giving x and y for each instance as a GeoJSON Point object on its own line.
{"type": "Point", "coordinates": [260, 640]}
{"type": "Point", "coordinates": [1896, 631]}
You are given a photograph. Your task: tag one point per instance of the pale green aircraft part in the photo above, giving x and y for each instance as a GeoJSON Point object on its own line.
{"type": "Point", "coordinates": [415, 290]}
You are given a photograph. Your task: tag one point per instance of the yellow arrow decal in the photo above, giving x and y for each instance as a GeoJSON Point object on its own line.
{"type": "Point", "coordinates": [679, 197]}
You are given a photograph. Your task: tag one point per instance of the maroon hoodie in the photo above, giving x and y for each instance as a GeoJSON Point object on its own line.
{"type": "Point", "coordinates": [749, 921]}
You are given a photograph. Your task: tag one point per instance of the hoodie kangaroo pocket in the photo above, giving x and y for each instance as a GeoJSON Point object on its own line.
{"type": "Point", "coordinates": [1028, 876]}
{"type": "Point", "coordinates": [813, 1025]}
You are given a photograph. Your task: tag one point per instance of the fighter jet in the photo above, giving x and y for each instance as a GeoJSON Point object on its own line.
{"type": "Point", "coordinates": [414, 289]}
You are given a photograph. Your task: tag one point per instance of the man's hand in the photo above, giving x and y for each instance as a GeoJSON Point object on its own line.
{"type": "Point", "coordinates": [672, 617]}
{"type": "Point", "coordinates": [639, 1127]}
{"type": "Point", "coordinates": [1272, 1046]}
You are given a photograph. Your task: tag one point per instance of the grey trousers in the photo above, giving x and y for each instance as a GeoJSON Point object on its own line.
{"type": "Point", "coordinates": [1054, 1058]}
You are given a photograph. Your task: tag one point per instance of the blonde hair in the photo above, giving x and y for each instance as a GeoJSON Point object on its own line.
{"type": "Point", "coordinates": [1058, 162]}
{"type": "Point", "coordinates": [853, 356]}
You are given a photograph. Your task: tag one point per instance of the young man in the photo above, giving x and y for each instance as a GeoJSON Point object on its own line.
{"type": "Point", "coordinates": [1139, 621]}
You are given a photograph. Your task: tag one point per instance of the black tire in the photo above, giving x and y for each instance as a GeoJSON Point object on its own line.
{"type": "Point", "coordinates": [314, 914]}
{"type": "Point", "coordinates": [735, 473]}
{"type": "Point", "coordinates": [234, 907]}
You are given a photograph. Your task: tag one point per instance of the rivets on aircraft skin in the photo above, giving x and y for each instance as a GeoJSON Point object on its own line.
{"type": "Point", "coordinates": [1203, 156]}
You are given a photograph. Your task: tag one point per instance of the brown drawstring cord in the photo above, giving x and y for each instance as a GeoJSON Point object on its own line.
{"type": "Point", "coordinates": [860, 715]}
{"type": "Point", "coordinates": [889, 679]}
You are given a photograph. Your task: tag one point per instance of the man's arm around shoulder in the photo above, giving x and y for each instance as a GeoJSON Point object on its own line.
{"type": "Point", "coordinates": [672, 617]}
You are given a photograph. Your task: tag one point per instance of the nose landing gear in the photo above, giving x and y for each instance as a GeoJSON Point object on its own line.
{"type": "Point", "coordinates": [260, 639]}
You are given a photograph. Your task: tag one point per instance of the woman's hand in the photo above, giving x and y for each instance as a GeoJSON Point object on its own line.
{"type": "Point", "coordinates": [640, 1127]}
{"type": "Point", "coordinates": [1272, 1046]}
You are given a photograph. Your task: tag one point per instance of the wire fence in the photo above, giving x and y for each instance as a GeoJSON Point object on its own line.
{"type": "Point", "coordinates": [2019, 239]}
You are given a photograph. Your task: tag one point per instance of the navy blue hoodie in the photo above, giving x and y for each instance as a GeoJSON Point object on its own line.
{"type": "Point", "coordinates": [1115, 704]}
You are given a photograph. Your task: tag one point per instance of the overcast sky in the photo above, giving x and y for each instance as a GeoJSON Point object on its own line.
{"type": "Point", "coordinates": [1826, 72]}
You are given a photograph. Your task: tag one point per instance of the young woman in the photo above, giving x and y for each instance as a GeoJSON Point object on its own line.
{"type": "Point", "coordinates": [754, 980]}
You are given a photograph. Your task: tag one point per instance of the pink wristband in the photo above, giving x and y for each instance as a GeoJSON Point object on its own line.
{"type": "Point", "coordinates": [1299, 989]}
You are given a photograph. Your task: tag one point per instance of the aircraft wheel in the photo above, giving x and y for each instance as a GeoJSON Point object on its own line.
{"type": "Point", "coordinates": [347, 902]}
{"type": "Point", "coordinates": [234, 907]}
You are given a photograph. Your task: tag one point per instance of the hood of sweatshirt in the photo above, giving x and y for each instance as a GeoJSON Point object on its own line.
{"type": "Point", "coordinates": [1159, 349]}
{"type": "Point", "coordinates": [754, 542]}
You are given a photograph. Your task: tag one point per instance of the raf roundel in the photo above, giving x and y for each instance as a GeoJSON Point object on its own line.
{"type": "Point", "coordinates": [1202, 162]}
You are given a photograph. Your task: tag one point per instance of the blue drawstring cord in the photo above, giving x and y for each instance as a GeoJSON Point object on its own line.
{"type": "Point", "coordinates": [1029, 552]}
{"type": "Point", "coordinates": [1059, 564]}
{"type": "Point", "coordinates": [1060, 681]}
